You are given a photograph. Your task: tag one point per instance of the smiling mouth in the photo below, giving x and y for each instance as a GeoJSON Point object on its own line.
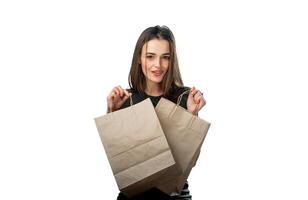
{"type": "Point", "coordinates": [157, 73]}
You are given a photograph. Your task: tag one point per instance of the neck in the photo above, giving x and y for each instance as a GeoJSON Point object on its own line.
{"type": "Point", "coordinates": [153, 90]}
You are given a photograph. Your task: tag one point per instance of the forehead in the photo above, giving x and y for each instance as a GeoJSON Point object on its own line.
{"type": "Point", "coordinates": [156, 46]}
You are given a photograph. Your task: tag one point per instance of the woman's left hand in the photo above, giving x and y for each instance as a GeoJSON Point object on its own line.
{"type": "Point", "coordinates": [195, 101]}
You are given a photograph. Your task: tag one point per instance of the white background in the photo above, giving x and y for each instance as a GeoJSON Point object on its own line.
{"type": "Point", "coordinates": [60, 59]}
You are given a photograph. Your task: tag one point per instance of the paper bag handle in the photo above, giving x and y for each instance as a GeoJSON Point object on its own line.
{"type": "Point", "coordinates": [193, 117]}
{"type": "Point", "coordinates": [178, 102]}
{"type": "Point", "coordinates": [180, 97]}
{"type": "Point", "coordinates": [131, 100]}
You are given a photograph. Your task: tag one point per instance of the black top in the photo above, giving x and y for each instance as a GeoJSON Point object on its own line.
{"type": "Point", "coordinates": [138, 97]}
{"type": "Point", "coordinates": [154, 193]}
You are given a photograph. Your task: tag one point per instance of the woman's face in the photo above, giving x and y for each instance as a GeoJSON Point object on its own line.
{"type": "Point", "coordinates": [155, 58]}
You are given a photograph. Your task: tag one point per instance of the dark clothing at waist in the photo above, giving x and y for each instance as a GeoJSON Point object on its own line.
{"type": "Point", "coordinates": [155, 194]}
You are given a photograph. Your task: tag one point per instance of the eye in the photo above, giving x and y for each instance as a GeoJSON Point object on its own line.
{"type": "Point", "coordinates": [167, 57]}
{"type": "Point", "coordinates": [150, 56]}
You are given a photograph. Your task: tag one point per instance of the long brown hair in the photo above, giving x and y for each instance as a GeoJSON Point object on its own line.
{"type": "Point", "coordinates": [172, 78]}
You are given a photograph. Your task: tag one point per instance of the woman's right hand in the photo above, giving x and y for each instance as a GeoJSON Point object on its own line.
{"type": "Point", "coordinates": [116, 98]}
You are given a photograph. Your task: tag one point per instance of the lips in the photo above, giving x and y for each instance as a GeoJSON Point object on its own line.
{"type": "Point", "coordinates": [157, 73]}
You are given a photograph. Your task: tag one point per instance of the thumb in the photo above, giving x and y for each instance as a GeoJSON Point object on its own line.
{"type": "Point", "coordinates": [125, 98]}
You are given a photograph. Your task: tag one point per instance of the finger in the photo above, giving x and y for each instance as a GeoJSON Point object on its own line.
{"type": "Point", "coordinates": [193, 108]}
{"type": "Point", "coordinates": [194, 92]}
{"type": "Point", "coordinates": [201, 103]}
{"type": "Point", "coordinates": [124, 98]}
{"type": "Point", "coordinates": [195, 95]}
{"type": "Point", "coordinates": [110, 96]}
{"type": "Point", "coordinates": [112, 91]}
{"type": "Point", "coordinates": [192, 89]}
{"type": "Point", "coordinates": [190, 96]}
{"type": "Point", "coordinates": [196, 109]}
{"type": "Point", "coordinates": [126, 93]}
{"type": "Point", "coordinates": [121, 91]}
{"type": "Point", "coordinates": [110, 100]}
{"type": "Point", "coordinates": [115, 97]}
{"type": "Point", "coordinates": [201, 106]}
{"type": "Point", "coordinates": [117, 91]}
{"type": "Point", "coordinates": [198, 94]}
{"type": "Point", "coordinates": [200, 100]}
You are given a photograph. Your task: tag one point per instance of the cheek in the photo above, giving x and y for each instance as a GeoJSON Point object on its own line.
{"type": "Point", "coordinates": [166, 66]}
{"type": "Point", "coordinates": [145, 64]}
{"type": "Point", "coordinates": [145, 69]}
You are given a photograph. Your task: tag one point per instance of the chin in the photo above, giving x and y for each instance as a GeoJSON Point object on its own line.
{"type": "Point", "coordinates": [156, 80]}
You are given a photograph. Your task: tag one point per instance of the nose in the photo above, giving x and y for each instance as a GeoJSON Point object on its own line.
{"type": "Point", "coordinates": [157, 62]}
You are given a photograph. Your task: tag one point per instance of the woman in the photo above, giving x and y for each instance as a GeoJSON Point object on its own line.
{"type": "Point", "coordinates": [154, 74]}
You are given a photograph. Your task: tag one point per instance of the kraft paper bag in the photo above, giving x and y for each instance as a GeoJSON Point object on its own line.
{"type": "Point", "coordinates": [185, 134]}
{"type": "Point", "coordinates": [136, 147]}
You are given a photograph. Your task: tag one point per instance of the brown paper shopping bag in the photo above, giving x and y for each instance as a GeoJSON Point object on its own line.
{"type": "Point", "coordinates": [136, 147]}
{"type": "Point", "coordinates": [185, 134]}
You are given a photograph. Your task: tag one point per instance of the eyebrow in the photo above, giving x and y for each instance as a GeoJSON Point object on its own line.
{"type": "Point", "coordinates": [155, 54]}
